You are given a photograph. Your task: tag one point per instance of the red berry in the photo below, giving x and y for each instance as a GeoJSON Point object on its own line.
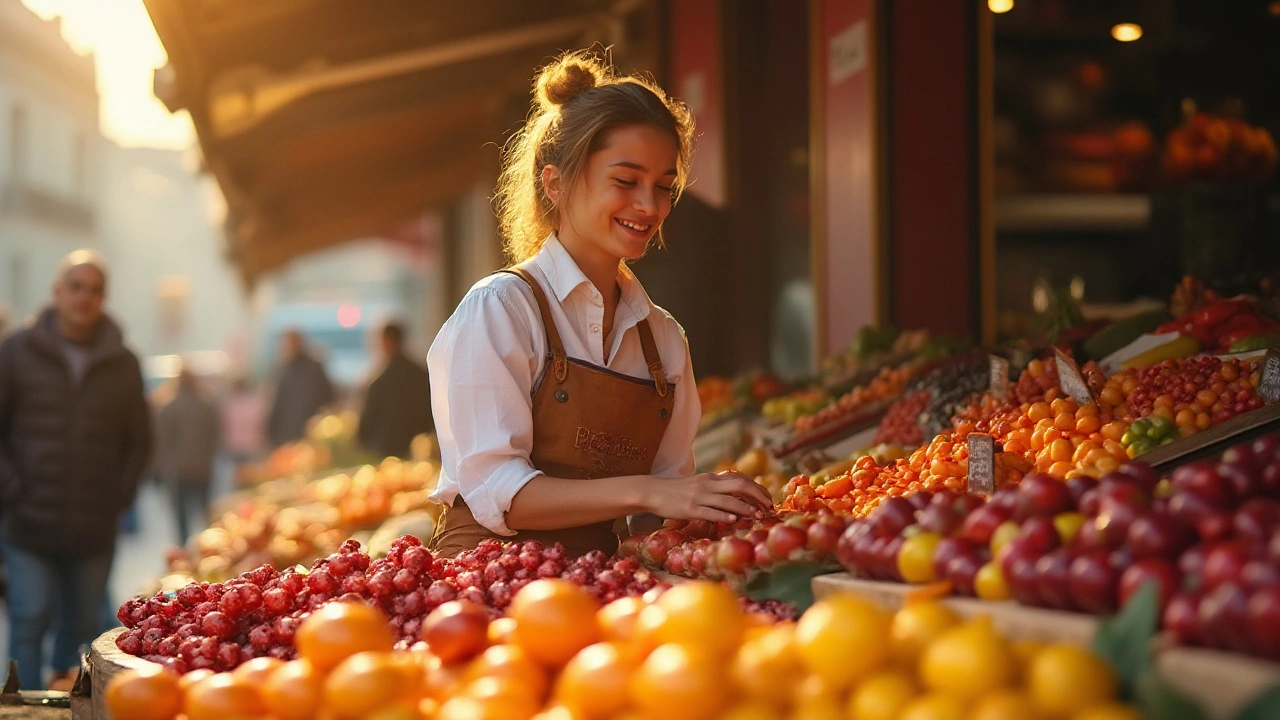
{"type": "Point", "coordinates": [322, 582]}
{"type": "Point", "coordinates": [218, 625]}
{"type": "Point", "coordinates": [404, 581]}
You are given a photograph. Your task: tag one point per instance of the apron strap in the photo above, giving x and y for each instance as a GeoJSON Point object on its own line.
{"type": "Point", "coordinates": [559, 359]}
{"type": "Point", "coordinates": [652, 357]}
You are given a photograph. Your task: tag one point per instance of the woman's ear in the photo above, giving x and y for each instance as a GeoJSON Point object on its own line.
{"type": "Point", "coordinates": [551, 183]}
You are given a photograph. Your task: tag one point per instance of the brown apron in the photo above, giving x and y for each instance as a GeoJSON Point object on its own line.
{"type": "Point", "coordinates": [588, 422]}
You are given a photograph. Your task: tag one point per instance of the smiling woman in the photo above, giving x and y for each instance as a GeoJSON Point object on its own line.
{"type": "Point", "coordinates": [127, 52]}
{"type": "Point", "coordinates": [563, 398]}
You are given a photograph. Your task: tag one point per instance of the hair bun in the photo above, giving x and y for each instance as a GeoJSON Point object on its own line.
{"type": "Point", "coordinates": [566, 78]}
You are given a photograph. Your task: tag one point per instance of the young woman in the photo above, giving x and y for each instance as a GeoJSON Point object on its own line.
{"type": "Point", "coordinates": [563, 398]}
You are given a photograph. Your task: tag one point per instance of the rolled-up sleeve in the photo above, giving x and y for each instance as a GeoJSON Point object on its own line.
{"type": "Point", "coordinates": [482, 366]}
{"type": "Point", "coordinates": [675, 453]}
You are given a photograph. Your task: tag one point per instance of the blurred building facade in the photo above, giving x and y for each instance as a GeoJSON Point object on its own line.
{"type": "Point", "coordinates": [51, 157]}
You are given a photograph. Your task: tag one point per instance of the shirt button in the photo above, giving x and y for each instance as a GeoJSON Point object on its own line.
{"type": "Point", "coordinates": [595, 328]}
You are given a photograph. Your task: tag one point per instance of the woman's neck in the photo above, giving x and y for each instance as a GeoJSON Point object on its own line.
{"type": "Point", "coordinates": [600, 267]}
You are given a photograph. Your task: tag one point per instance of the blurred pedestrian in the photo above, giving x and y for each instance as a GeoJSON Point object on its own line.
{"type": "Point", "coordinates": [243, 416]}
{"type": "Point", "coordinates": [397, 405]}
{"type": "Point", "coordinates": [75, 434]}
{"type": "Point", "coordinates": [302, 390]}
{"type": "Point", "coordinates": [187, 436]}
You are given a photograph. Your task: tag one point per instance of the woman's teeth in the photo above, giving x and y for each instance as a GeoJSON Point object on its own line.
{"type": "Point", "coordinates": [633, 226]}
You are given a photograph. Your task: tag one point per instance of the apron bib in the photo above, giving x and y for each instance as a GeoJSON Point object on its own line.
{"type": "Point", "coordinates": [588, 422]}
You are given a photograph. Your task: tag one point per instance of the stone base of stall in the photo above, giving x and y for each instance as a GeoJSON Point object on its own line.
{"type": "Point", "coordinates": [1220, 682]}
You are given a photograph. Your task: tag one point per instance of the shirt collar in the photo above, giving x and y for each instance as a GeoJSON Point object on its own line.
{"type": "Point", "coordinates": [564, 276]}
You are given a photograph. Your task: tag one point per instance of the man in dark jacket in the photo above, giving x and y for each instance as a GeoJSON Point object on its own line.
{"type": "Point", "coordinates": [74, 438]}
{"type": "Point", "coordinates": [302, 390]}
{"type": "Point", "coordinates": [397, 405]}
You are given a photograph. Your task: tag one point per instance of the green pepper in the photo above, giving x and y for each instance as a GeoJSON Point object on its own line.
{"type": "Point", "coordinates": [1256, 342]}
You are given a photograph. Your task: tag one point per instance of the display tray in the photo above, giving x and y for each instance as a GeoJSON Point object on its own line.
{"type": "Point", "coordinates": [833, 433]}
{"type": "Point", "coordinates": [1220, 682]}
{"type": "Point", "coordinates": [1212, 441]}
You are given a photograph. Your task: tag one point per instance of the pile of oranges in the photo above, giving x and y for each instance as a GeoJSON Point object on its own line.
{"type": "Point", "coordinates": [886, 385]}
{"type": "Point", "coordinates": [688, 654]}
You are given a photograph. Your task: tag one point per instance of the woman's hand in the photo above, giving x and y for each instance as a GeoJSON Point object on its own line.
{"type": "Point", "coordinates": [716, 497]}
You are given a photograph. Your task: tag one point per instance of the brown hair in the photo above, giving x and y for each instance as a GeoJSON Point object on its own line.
{"type": "Point", "coordinates": [577, 101]}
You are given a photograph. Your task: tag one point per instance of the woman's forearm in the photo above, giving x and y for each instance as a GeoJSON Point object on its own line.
{"type": "Point", "coordinates": [549, 503]}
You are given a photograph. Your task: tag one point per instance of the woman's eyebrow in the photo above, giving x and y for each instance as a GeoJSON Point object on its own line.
{"type": "Point", "coordinates": [640, 168]}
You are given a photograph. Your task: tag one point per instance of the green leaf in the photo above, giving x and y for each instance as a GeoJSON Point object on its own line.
{"type": "Point", "coordinates": [1124, 639]}
{"type": "Point", "coordinates": [791, 583]}
{"type": "Point", "coordinates": [1157, 700]}
{"type": "Point", "coordinates": [1264, 707]}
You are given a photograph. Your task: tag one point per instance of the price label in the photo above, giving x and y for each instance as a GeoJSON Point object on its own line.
{"type": "Point", "coordinates": [1269, 381]}
{"type": "Point", "coordinates": [1071, 380]}
{"type": "Point", "coordinates": [999, 377]}
{"type": "Point", "coordinates": [982, 463]}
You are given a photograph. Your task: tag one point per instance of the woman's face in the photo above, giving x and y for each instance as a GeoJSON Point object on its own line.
{"type": "Point", "coordinates": [624, 194]}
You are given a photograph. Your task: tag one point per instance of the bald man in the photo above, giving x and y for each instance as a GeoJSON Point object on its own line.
{"type": "Point", "coordinates": [74, 439]}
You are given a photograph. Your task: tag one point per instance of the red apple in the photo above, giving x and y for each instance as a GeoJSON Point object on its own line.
{"type": "Point", "coordinates": [1181, 617]}
{"type": "Point", "coordinates": [920, 500]}
{"type": "Point", "coordinates": [735, 555]}
{"type": "Point", "coordinates": [654, 548]}
{"type": "Point", "coordinates": [786, 542]}
{"type": "Point", "coordinates": [981, 524]}
{"type": "Point", "coordinates": [1216, 526]}
{"type": "Point", "coordinates": [1255, 519]}
{"type": "Point", "coordinates": [1224, 563]}
{"type": "Point", "coordinates": [891, 517]}
{"type": "Point", "coordinates": [1041, 494]}
{"type": "Point", "coordinates": [1224, 618]}
{"type": "Point", "coordinates": [962, 571]}
{"type": "Point", "coordinates": [1078, 486]}
{"type": "Point", "coordinates": [1154, 535]}
{"type": "Point", "coordinates": [939, 519]}
{"type": "Point", "coordinates": [1142, 473]}
{"type": "Point", "coordinates": [1203, 479]}
{"type": "Point", "coordinates": [823, 536]}
{"type": "Point", "coordinates": [1094, 584]}
{"type": "Point", "coordinates": [1023, 582]}
{"type": "Point", "coordinates": [1263, 613]}
{"type": "Point", "coordinates": [947, 550]}
{"type": "Point", "coordinates": [1053, 573]}
{"type": "Point", "coordinates": [1160, 571]}
{"type": "Point", "coordinates": [1259, 573]}
{"type": "Point", "coordinates": [1189, 507]}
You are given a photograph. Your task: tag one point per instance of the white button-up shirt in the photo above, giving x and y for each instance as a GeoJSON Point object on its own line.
{"type": "Point", "coordinates": [488, 357]}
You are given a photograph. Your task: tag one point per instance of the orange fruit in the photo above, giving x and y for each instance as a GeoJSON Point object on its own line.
{"type": "Point", "coordinates": [595, 681]}
{"type": "Point", "coordinates": [222, 696]}
{"type": "Point", "coordinates": [503, 697]}
{"type": "Point", "coordinates": [193, 677]}
{"type": "Point", "coordinates": [256, 671]}
{"type": "Point", "coordinates": [842, 638]}
{"type": "Point", "coordinates": [293, 691]}
{"type": "Point", "coordinates": [764, 666]}
{"type": "Point", "coordinates": [752, 710]}
{"type": "Point", "coordinates": [703, 615]}
{"type": "Point", "coordinates": [363, 683]}
{"type": "Point", "coordinates": [337, 631]}
{"type": "Point", "coordinates": [148, 693]}
{"type": "Point", "coordinates": [396, 711]}
{"type": "Point", "coordinates": [510, 662]}
{"type": "Point", "coordinates": [442, 681]}
{"type": "Point", "coordinates": [553, 620]}
{"type": "Point", "coordinates": [618, 619]}
{"type": "Point", "coordinates": [501, 631]}
{"type": "Point", "coordinates": [677, 682]}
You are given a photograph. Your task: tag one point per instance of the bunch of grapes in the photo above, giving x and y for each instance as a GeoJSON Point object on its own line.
{"type": "Point", "coordinates": [221, 625]}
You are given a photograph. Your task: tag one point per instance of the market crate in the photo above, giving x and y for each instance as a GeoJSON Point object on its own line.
{"type": "Point", "coordinates": [1220, 682]}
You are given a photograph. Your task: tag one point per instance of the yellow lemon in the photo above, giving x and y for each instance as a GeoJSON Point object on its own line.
{"type": "Point", "coordinates": [881, 697]}
{"type": "Point", "coordinates": [1064, 679]}
{"type": "Point", "coordinates": [842, 638]}
{"type": "Point", "coordinates": [917, 625]}
{"type": "Point", "coordinates": [968, 661]}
